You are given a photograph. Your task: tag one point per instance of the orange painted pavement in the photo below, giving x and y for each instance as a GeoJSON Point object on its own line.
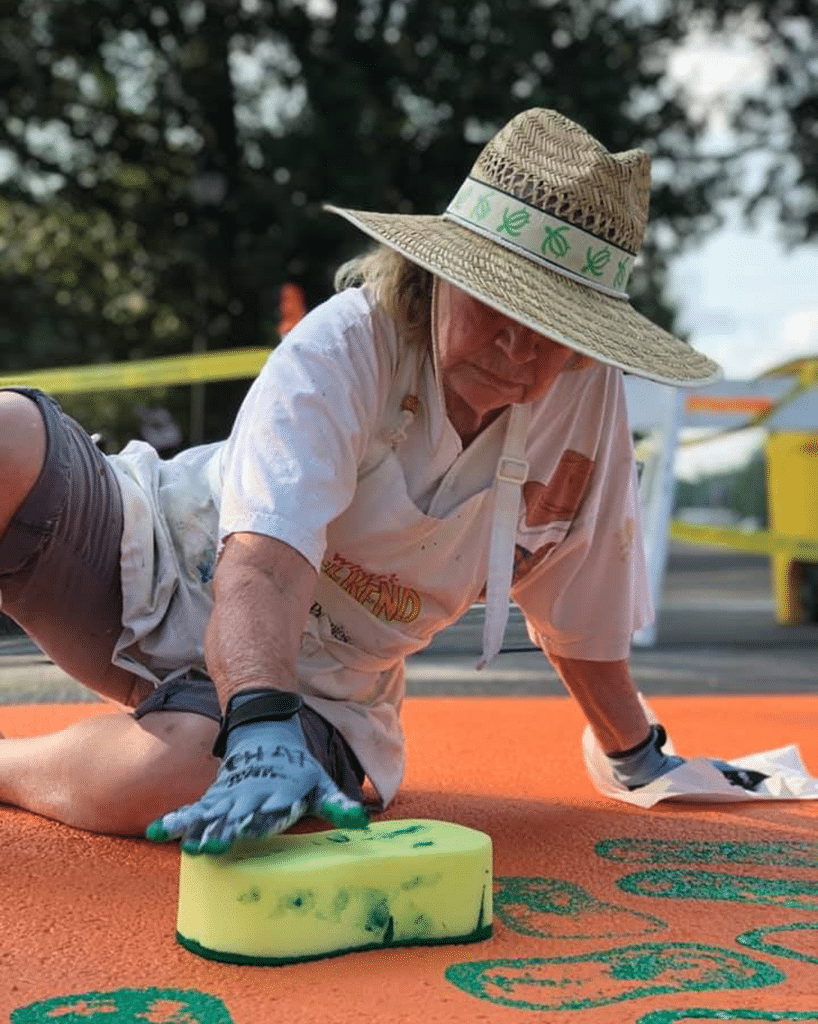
{"type": "Point", "coordinates": [603, 913]}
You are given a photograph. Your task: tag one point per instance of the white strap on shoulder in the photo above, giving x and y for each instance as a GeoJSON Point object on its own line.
{"type": "Point", "coordinates": [512, 471]}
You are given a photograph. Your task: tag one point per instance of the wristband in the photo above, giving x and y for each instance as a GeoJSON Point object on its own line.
{"type": "Point", "coordinates": [261, 706]}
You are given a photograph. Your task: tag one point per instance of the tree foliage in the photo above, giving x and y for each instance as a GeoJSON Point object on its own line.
{"type": "Point", "coordinates": [767, 156]}
{"type": "Point", "coordinates": [742, 491]}
{"type": "Point", "coordinates": [170, 158]}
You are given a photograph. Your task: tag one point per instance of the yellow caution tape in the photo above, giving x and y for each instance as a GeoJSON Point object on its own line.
{"type": "Point", "coordinates": [195, 368]}
{"type": "Point", "coordinates": [761, 542]}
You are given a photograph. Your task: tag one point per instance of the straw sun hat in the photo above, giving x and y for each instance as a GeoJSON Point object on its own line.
{"type": "Point", "coordinates": [546, 229]}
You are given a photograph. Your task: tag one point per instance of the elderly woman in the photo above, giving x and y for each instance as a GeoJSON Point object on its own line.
{"type": "Point", "coordinates": [452, 423]}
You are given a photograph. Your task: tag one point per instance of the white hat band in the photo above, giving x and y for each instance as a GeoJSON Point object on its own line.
{"type": "Point", "coordinates": [537, 235]}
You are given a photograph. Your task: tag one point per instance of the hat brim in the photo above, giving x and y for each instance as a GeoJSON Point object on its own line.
{"type": "Point", "coordinates": [589, 321]}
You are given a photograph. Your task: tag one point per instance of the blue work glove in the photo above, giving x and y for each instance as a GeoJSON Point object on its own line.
{"type": "Point", "coordinates": [268, 779]}
{"type": "Point", "coordinates": [647, 761]}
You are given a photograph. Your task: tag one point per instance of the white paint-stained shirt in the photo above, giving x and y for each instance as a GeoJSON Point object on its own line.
{"type": "Point", "coordinates": [343, 450]}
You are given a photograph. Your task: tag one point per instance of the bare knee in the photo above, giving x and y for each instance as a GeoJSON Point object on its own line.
{"type": "Point", "coordinates": [155, 765]}
{"type": "Point", "coordinates": [175, 769]}
{"type": "Point", "coordinates": [22, 451]}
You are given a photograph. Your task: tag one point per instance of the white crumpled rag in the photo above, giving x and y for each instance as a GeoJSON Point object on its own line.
{"type": "Point", "coordinates": [698, 781]}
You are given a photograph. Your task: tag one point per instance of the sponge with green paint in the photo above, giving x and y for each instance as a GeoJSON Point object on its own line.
{"type": "Point", "coordinates": [300, 897]}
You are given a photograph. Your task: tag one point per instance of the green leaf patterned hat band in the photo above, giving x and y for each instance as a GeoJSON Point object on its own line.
{"type": "Point", "coordinates": [557, 245]}
{"type": "Point", "coordinates": [546, 228]}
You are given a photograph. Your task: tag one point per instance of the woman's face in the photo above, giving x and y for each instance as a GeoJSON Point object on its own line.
{"type": "Point", "coordinates": [487, 360]}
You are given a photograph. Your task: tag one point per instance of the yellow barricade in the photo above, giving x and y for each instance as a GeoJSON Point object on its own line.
{"type": "Point", "coordinates": [792, 478]}
{"type": "Point", "coordinates": [196, 368]}
{"type": "Point", "coordinates": [761, 542]}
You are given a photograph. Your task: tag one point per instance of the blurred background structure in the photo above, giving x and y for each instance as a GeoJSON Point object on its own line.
{"type": "Point", "coordinates": [163, 167]}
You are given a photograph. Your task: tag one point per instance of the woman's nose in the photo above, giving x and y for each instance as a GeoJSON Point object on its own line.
{"type": "Point", "coordinates": [518, 343]}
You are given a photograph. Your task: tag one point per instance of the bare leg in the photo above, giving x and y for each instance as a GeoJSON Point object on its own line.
{"type": "Point", "coordinates": [111, 774]}
{"type": "Point", "coordinates": [79, 636]}
{"type": "Point", "coordinates": [605, 692]}
{"type": "Point", "coordinates": [22, 451]}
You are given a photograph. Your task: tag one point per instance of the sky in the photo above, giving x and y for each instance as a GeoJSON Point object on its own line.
{"type": "Point", "coordinates": [751, 305]}
{"type": "Point", "coordinates": [743, 298]}
{"type": "Point", "coordinates": [747, 302]}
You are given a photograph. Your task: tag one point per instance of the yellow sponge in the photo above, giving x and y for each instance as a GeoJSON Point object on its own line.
{"type": "Point", "coordinates": [300, 897]}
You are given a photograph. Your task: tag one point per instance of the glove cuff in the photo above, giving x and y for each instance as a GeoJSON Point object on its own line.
{"type": "Point", "coordinates": [656, 734]}
{"type": "Point", "coordinates": [255, 706]}
{"type": "Point", "coordinates": [644, 763]}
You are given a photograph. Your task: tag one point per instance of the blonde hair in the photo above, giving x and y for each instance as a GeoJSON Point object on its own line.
{"type": "Point", "coordinates": [401, 287]}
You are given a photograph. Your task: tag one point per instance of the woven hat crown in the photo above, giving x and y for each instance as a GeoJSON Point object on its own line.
{"type": "Point", "coordinates": [546, 229]}
{"type": "Point", "coordinates": [553, 164]}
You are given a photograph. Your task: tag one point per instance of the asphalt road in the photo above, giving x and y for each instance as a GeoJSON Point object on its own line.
{"type": "Point", "coordinates": [716, 635]}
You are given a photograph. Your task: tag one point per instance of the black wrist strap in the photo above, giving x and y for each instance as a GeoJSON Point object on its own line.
{"type": "Point", "coordinates": [264, 706]}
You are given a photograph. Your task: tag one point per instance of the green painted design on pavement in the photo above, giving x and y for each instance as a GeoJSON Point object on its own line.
{"type": "Point", "coordinates": [700, 1013]}
{"type": "Point", "coordinates": [596, 260]}
{"type": "Point", "coordinates": [554, 908]}
{"type": "Point", "coordinates": [757, 939]}
{"type": "Point", "coordinates": [786, 853]}
{"type": "Point", "coordinates": [673, 884]}
{"type": "Point", "coordinates": [513, 223]}
{"type": "Point", "coordinates": [127, 1006]}
{"type": "Point", "coordinates": [610, 976]}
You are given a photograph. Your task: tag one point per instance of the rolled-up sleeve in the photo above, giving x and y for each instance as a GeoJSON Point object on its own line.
{"type": "Point", "coordinates": [290, 463]}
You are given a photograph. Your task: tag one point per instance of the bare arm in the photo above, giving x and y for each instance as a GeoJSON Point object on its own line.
{"type": "Point", "coordinates": [268, 778]}
{"type": "Point", "coordinates": [262, 593]}
{"type": "Point", "coordinates": [605, 692]}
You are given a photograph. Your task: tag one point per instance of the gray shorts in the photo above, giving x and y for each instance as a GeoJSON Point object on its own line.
{"type": "Point", "coordinates": [60, 581]}
{"type": "Point", "coordinates": [59, 558]}
{"type": "Point", "coordinates": [195, 692]}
